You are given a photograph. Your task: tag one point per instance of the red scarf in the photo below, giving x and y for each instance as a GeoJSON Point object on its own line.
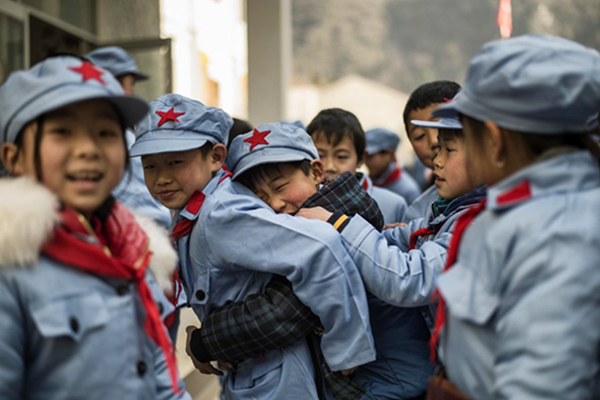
{"type": "Point", "coordinates": [393, 177]}
{"type": "Point", "coordinates": [122, 253]}
{"type": "Point", "coordinates": [440, 316]}
{"type": "Point", "coordinates": [414, 237]}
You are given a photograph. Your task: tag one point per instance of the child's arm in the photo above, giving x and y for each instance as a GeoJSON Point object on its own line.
{"type": "Point", "coordinates": [242, 330]}
{"type": "Point", "coordinates": [311, 256]}
{"type": "Point", "coordinates": [403, 279]}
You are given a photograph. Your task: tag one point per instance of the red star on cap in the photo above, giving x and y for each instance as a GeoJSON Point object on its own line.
{"type": "Point", "coordinates": [257, 138]}
{"type": "Point", "coordinates": [170, 115]}
{"type": "Point", "coordinates": [89, 71]}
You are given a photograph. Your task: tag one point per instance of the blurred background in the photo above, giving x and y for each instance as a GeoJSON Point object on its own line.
{"type": "Point", "coordinates": [269, 60]}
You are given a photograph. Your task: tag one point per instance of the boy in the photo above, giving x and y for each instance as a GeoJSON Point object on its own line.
{"type": "Point", "coordinates": [383, 166]}
{"type": "Point", "coordinates": [341, 142]}
{"type": "Point", "coordinates": [401, 335]}
{"type": "Point", "coordinates": [182, 144]}
{"type": "Point", "coordinates": [400, 265]}
{"type": "Point", "coordinates": [424, 140]}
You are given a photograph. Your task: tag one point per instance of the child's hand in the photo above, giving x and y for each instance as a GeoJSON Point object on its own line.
{"type": "Point", "coordinates": [349, 371]}
{"type": "Point", "coordinates": [204, 368]}
{"type": "Point", "coordinates": [314, 213]}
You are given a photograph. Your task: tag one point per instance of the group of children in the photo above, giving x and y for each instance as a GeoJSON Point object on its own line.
{"type": "Point", "coordinates": [280, 246]}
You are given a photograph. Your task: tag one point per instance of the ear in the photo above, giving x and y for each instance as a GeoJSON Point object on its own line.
{"type": "Point", "coordinates": [495, 143]}
{"type": "Point", "coordinates": [13, 158]}
{"type": "Point", "coordinates": [218, 156]}
{"type": "Point", "coordinates": [318, 171]}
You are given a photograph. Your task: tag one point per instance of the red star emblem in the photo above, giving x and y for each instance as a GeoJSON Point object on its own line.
{"type": "Point", "coordinates": [89, 71]}
{"type": "Point", "coordinates": [170, 115]}
{"type": "Point", "coordinates": [257, 138]}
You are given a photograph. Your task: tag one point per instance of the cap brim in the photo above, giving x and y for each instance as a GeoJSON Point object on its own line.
{"type": "Point", "coordinates": [444, 123]}
{"type": "Point", "coordinates": [140, 77]}
{"type": "Point", "coordinates": [155, 145]}
{"type": "Point", "coordinates": [273, 156]}
{"type": "Point", "coordinates": [448, 110]}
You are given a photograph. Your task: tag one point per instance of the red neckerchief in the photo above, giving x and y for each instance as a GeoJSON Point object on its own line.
{"type": "Point", "coordinates": [393, 177]}
{"type": "Point", "coordinates": [365, 183]}
{"type": "Point", "coordinates": [122, 253]}
{"type": "Point", "coordinates": [414, 237]}
{"type": "Point", "coordinates": [181, 229]}
{"type": "Point", "coordinates": [440, 316]}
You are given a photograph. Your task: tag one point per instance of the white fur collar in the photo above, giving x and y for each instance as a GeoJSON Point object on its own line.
{"type": "Point", "coordinates": [28, 213]}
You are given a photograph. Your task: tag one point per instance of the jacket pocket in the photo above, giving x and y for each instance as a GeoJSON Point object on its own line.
{"type": "Point", "coordinates": [201, 288]}
{"type": "Point", "coordinates": [467, 296]}
{"type": "Point", "coordinates": [260, 371]}
{"type": "Point", "coordinates": [71, 316]}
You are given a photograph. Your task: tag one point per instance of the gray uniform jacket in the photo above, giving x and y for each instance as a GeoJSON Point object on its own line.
{"type": "Point", "coordinates": [68, 334]}
{"type": "Point", "coordinates": [523, 298]}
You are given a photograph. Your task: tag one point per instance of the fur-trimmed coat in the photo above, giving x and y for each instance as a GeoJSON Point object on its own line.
{"type": "Point", "coordinates": [65, 333]}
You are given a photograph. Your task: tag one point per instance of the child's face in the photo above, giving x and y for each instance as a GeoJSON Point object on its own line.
{"type": "Point", "coordinates": [336, 159]}
{"type": "Point", "coordinates": [285, 191]}
{"type": "Point", "coordinates": [81, 154]}
{"type": "Point", "coordinates": [450, 169]}
{"type": "Point", "coordinates": [424, 140]}
{"type": "Point", "coordinates": [172, 178]}
{"type": "Point", "coordinates": [378, 163]}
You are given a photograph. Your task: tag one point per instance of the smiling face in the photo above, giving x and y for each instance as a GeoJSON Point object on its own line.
{"type": "Point", "coordinates": [81, 154]}
{"type": "Point", "coordinates": [172, 178]}
{"type": "Point", "coordinates": [450, 169]}
{"type": "Point", "coordinates": [424, 140]}
{"type": "Point", "coordinates": [337, 158]}
{"type": "Point", "coordinates": [285, 187]}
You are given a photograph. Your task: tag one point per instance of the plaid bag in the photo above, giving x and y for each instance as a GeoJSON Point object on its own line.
{"type": "Point", "coordinates": [345, 194]}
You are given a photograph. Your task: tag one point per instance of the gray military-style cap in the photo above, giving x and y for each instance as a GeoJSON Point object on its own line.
{"type": "Point", "coordinates": [533, 83]}
{"type": "Point", "coordinates": [116, 61]}
{"type": "Point", "coordinates": [270, 143]}
{"type": "Point", "coordinates": [57, 82]}
{"type": "Point", "coordinates": [178, 123]}
{"type": "Point", "coordinates": [381, 139]}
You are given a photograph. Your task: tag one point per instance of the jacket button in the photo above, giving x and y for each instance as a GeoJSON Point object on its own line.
{"type": "Point", "coordinates": [122, 290]}
{"type": "Point", "coordinates": [142, 368]}
{"type": "Point", "coordinates": [200, 295]}
{"type": "Point", "coordinates": [74, 324]}
{"type": "Point", "coordinates": [161, 308]}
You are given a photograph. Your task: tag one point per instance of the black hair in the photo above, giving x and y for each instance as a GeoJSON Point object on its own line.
{"type": "Point", "coordinates": [264, 172]}
{"type": "Point", "coordinates": [336, 124]}
{"type": "Point", "coordinates": [238, 128]}
{"type": "Point", "coordinates": [206, 149]}
{"type": "Point", "coordinates": [428, 94]}
{"type": "Point", "coordinates": [537, 143]}
{"type": "Point", "coordinates": [449, 134]}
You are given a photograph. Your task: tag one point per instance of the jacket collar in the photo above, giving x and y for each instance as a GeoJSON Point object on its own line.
{"type": "Point", "coordinates": [365, 182]}
{"type": "Point", "coordinates": [192, 209]}
{"type": "Point", "coordinates": [567, 172]}
{"type": "Point", "coordinates": [382, 180]}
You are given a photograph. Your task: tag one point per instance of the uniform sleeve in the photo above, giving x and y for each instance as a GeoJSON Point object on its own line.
{"type": "Point", "coordinates": [548, 321]}
{"type": "Point", "coordinates": [403, 279]}
{"type": "Point", "coordinates": [400, 236]}
{"type": "Point", "coordinates": [262, 322]}
{"type": "Point", "coordinates": [12, 340]}
{"type": "Point", "coordinates": [311, 256]}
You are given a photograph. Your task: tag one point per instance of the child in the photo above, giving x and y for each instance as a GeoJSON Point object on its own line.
{"type": "Point", "coordinates": [384, 170]}
{"type": "Point", "coordinates": [401, 335]}
{"type": "Point", "coordinates": [400, 265]}
{"type": "Point", "coordinates": [523, 285]}
{"type": "Point", "coordinates": [77, 315]}
{"type": "Point", "coordinates": [132, 190]}
{"type": "Point", "coordinates": [424, 140]}
{"type": "Point", "coordinates": [182, 144]}
{"type": "Point", "coordinates": [340, 140]}
{"type": "Point", "coordinates": [423, 245]}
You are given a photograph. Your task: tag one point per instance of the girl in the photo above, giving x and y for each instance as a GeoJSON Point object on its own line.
{"type": "Point", "coordinates": [522, 288]}
{"type": "Point", "coordinates": [77, 316]}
